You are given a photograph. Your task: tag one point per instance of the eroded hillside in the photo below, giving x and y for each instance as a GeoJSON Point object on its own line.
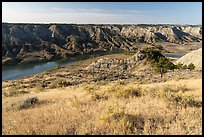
{"type": "Point", "coordinates": [23, 43]}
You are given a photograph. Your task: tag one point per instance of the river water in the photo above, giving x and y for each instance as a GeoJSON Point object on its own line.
{"type": "Point", "coordinates": [22, 70]}
{"type": "Point", "coordinates": [173, 55]}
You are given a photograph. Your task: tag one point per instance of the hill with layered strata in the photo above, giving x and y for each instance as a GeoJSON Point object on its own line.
{"type": "Point", "coordinates": [31, 43]}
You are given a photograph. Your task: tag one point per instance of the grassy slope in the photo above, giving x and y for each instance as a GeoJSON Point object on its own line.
{"type": "Point", "coordinates": [114, 108]}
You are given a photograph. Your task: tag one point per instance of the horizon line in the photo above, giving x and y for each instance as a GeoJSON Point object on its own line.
{"type": "Point", "coordinates": [100, 23]}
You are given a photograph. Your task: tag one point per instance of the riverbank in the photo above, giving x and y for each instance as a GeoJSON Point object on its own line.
{"type": "Point", "coordinates": [23, 70]}
{"type": "Point", "coordinates": [76, 73]}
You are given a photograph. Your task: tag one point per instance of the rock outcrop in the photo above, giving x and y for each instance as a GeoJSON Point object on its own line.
{"type": "Point", "coordinates": [23, 43]}
{"type": "Point", "coordinates": [194, 57]}
{"type": "Point", "coordinates": [108, 64]}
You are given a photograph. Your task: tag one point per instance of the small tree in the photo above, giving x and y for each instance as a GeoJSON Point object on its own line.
{"type": "Point", "coordinates": [161, 66]}
{"type": "Point", "coordinates": [191, 66]}
{"type": "Point", "coordinates": [153, 54]}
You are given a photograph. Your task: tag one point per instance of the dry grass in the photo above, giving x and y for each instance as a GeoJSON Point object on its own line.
{"type": "Point", "coordinates": [129, 91]}
{"type": "Point", "coordinates": [13, 92]}
{"type": "Point", "coordinates": [94, 109]}
{"type": "Point", "coordinates": [58, 83]}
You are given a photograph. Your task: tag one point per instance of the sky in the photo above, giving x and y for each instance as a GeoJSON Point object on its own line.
{"type": "Point", "coordinates": [103, 12]}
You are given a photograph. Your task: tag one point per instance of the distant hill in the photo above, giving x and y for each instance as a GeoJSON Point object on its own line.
{"type": "Point", "coordinates": [29, 43]}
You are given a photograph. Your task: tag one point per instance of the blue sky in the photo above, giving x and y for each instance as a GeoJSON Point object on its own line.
{"type": "Point", "coordinates": [103, 12]}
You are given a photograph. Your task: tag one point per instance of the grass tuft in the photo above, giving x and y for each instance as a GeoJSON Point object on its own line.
{"type": "Point", "coordinates": [129, 91]}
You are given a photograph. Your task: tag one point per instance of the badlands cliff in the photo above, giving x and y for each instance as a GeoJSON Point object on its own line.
{"type": "Point", "coordinates": [23, 43]}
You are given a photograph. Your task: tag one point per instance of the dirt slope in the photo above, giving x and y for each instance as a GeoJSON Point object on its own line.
{"type": "Point", "coordinates": [194, 57]}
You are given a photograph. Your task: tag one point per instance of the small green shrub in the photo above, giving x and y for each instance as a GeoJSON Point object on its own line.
{"type": "Point", "coordinates": [191, 66]}
{"type": "Point", "coordinates": [45, 72]}
{"type": "Point", "coordinates": [185, 67]}
{"type": "Point", "coordinates": [58, 67]}
{"type": "Point", "coordinates": [179, 66]}
{"type": "Point", "coordinates": [182, 66]}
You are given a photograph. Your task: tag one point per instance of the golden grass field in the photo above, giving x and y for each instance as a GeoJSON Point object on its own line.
{"type": "Point", "coordinates": [120, 107]}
